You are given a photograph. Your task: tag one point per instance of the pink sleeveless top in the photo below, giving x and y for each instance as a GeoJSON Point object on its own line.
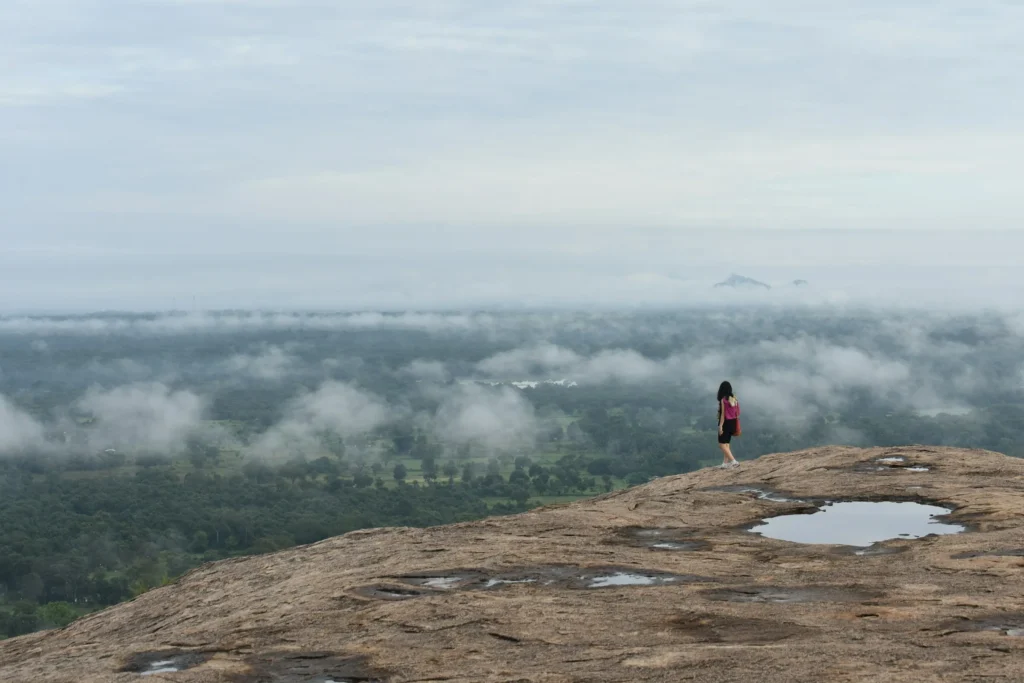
{"type": "Point", "coordinates": [731, 411]}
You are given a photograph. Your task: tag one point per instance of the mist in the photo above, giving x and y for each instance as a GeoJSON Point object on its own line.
{"type": "Point", "coordinates": [280, 385]}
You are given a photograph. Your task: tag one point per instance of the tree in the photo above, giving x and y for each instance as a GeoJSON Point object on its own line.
{"type": "Point", "coordinates": [31, 586]}
{"type": "Point", "coordinates": [468, 471]}
{"type": "Point", "coordinates": [637, 478]}
{"type": "Point", "coordinates": [429, 466]}
{"type": "Point", "coordinates": [399, 473]}
{"type": "Point", "coordinates": [57, 614]}
{"type": "Point", "coordinates": [451, 470]}
{"type": "Point", "coordinates": [333, 444]}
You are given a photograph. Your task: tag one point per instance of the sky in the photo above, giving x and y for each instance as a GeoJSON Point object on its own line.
{"type": "Point", "coordinates": [160, 154]}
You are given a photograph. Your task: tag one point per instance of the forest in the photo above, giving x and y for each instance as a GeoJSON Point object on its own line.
{"type": "Point", "coordinates": [134, 448]}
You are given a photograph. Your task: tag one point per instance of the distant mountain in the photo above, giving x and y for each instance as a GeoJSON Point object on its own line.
{"type": "Point", "coordinates": [739, 282]}
{"type": "Point", "coordinates": [800, 283]}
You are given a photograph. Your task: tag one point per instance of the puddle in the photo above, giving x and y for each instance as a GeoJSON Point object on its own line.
{"type": "Point", "coordinates": [390, 593]}
{"type": "Point", "coordinates": [166, 662]}
{"type": "Point", "coordinates": [626, 579]}
{"type": "Point", "coordinates": [312, 667]}
{"type": "Point", "coordinates": [564, 576]}
{"type": "Point", "coordinates": [859, 524]}
{"type": "Point", "coordinates": [443, 582]}
{"type": "Point", "coordinates": [165, 667]}
{"type": "Point", "coordinates": [778, 594]}
{"type": "Point", "coordinates": [761, 493]}
{"type": "Point", "coordinates": [614, 577]}
{"type": "Point", "coordinates": [494, 583]}
{"type": "Point", "coordinates": [894, 463]}
{"type": "Point", "coordinates": [877, 551]}
{"type": "Point", "coordinates": [664, 539]}
{"type": "Point", "coordinates": [1011, 625]}
{"type": "Point", "coordinates": [680, 545]}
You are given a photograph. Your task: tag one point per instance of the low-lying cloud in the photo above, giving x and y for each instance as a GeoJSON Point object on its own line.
{"type": "Point", "coordinates": [495, 418]}
{"type": "Point", "coordinates": [273, 363]}
{"type": "Point", "coordinates": [335, 408]}
{"type": "Point", "coordinates": [18, 429]}
{"type": "Point", "coordinates": [142, 417]}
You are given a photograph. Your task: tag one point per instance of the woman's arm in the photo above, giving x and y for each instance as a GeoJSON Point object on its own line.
{"type": "Point", "coordinates": [721, 416]}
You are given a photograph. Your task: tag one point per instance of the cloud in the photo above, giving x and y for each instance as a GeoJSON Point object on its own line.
{"type": "Point", "coordinates": [142, 417]}
{"type": "Point", "coordinates": [550, 362]}
{"type": "Point", "coordinates": [335, 407]}
{"type": "Point", "coordinates": [18, 429]}
{"type": "Point", "coordinates": [427, 370]}
{"type": "Point", "coordinates": [529, 362]}
{"type": "Point", "coordinates": [272, 364]}
{"type": "Point", "coordinates": [480, 133]}
{"type": "Point", "coordinates": [496, 418]}
{"type": "Point", "coordinates": [231, 323]}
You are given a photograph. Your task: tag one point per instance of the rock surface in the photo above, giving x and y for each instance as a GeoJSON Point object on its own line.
{"type": "Point", "coordinates": [508, 599]}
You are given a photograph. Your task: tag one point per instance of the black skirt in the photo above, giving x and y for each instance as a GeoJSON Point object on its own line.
{"type": "Point", "coordinates": [728, 430]}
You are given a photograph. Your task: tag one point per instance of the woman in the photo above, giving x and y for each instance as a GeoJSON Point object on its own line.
{"type": "Point", "coordinates": [728, 418]}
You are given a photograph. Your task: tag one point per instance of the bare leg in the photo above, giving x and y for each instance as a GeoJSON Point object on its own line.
{"type": "Point", "coordinates": [727, 452]}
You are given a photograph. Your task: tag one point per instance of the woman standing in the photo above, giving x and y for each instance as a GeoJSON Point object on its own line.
{"type": "Point", "coordinates": [728, 419]}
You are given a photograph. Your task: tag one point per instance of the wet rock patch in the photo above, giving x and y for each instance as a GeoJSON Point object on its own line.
{"type": "Point", "coordinates": [444, 580]}
{"type": "Point", "coordinates": [163, 662]}
{"type": "Point", "coordinates": [663, 539]}
{"type": "Point", "coordinates": [382, 592]}
{"type": "Point", "coordinates": [721, 628]}
{"type": "Point", "coordinates": [563, 576]}
{"type": "Point", "coordinates": [309, 667]}
{"type": "Point", "coordinates": [790, 594]}
{"type": "Point", "coordinates": [894, 463]}
{"type": "Point", "coordinates": [1010, 624]}
{"type": "Point", "coordinates": [761, 493]}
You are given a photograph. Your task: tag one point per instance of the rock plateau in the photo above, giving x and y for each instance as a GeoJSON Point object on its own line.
{"type": "Point", "coordinates": [537, 597]}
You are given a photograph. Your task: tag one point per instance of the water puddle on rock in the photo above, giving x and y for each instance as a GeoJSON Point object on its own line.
{"type": "Point", "coordinates": [494, 583]}
{"type": "Point", "coordinates": [1011, 624]}
{"type": "Point", "coordinates": [442, 582]}
{"type": "Point", "coordinates": [679, 545]}
{"type": "Point", "coordinates": [390, 593]}
{"type": "Point", "coordinates": [312, 667]}
{"type": "Point", "coordinates": [663, 539]}
{"type": "Point", "coordinates": [787, 594]}
{"type": "Point", "coordinates": [892, 463]}
{"type": "Point", "coordinates": [167, 662]}
{"type": "Point", "coordinates": [166, 666]}
{"type": "Point", "coordinates": [626, 579]}
{"type": "Point", "coordinates": [859, 524]}
{"type": "Point", "coordinates": [761, 493]}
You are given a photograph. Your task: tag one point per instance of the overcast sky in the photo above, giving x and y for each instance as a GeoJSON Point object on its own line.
{"type": "Point", "coordinates": [445, 152]}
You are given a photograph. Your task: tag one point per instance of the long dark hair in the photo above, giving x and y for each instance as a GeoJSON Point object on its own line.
{"type": "Point", "coordinates": [724, 391]}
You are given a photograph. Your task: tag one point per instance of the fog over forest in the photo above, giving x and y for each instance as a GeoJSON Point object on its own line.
{"type": "Point", "coordinates": [145, 384]}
